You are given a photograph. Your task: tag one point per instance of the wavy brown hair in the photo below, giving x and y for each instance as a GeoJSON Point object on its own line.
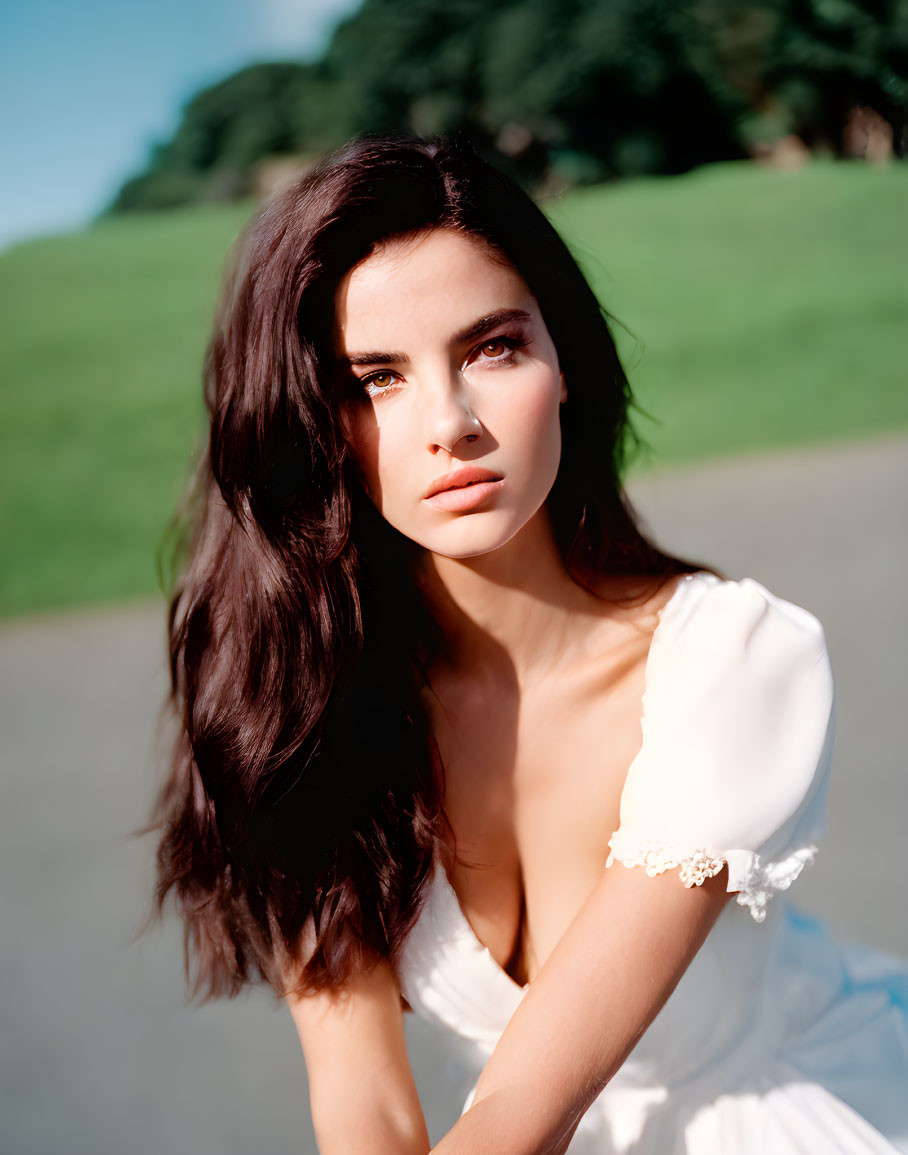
{"type": "Point", "coordinates": [305, 797]}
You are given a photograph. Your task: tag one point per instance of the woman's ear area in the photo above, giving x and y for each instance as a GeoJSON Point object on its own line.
{"type": "Point", "coordinates": [563, 388]}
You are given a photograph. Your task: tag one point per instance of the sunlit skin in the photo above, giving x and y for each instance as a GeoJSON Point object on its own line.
{"type": "Point", "coordinates": [536, 715]}
{"type": "Point", "coordinates": [455, 386]}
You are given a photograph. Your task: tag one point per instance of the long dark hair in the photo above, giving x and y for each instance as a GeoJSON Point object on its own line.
{"type": "Point", "coordinates": [304, 801]}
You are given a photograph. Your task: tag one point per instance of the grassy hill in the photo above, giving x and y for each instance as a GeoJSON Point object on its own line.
{"type": "Point", "coordinates": [769, 308]}
{"type": "Point", "coordinates": [759, 308]}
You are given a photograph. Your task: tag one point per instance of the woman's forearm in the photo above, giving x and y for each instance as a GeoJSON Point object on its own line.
{"type": "Point", "coordinates": [506, 1123]}
{"type": "Point", "coordinates": [585, 1011]}
{"type": "Point", "coordinates": [376, 1131]}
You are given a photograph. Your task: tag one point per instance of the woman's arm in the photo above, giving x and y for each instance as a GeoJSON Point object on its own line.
{"type": "Point", "coordinates": [602, 986]}
{"type": "Point", "coordinates": [361, 1089]}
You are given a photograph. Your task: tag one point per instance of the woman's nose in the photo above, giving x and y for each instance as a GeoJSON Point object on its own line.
{"type": "Point", "coordinates": [448, 417]}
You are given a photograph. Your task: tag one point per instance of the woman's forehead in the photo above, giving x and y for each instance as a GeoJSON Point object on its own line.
{"type": "Point", "coordinates": [439, 281]}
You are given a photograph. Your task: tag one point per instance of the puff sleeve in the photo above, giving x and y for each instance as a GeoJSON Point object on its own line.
{"type": "Point", "coordinates": [737, 742]}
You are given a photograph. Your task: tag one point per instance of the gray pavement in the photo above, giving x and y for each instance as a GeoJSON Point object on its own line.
{"type": "Point", "coordinates": [100, 1054]}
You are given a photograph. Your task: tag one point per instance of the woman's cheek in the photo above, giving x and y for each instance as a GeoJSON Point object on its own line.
{"type": "Point", "coordinates": [528, 414]}
{"type": "Point", "coordinates": [396, 486]}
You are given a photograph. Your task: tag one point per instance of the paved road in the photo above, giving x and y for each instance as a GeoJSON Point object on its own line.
{"type": "Point", "coordinates": [100, 1055]}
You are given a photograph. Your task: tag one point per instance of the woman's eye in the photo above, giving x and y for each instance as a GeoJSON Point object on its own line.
{"type": "Point", "coordinates": [378, 383]}
{"type": "Point", "coordinates": [498, 350]}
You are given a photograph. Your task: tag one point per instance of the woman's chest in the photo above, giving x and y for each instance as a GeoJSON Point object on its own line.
{"type": "Point", "coordinates": [532, 792]}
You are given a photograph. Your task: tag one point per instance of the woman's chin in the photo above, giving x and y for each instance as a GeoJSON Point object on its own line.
{"type": "Point", "coordinates": [474, 536]}
{"type": "Point", "coordinates": [465, 539]}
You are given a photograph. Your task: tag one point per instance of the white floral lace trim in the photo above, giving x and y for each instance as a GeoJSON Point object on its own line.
{"type": "Point", "coordinates": [693, 869]}
{"type": "Point", "coordinates": [764, 879]}
{"type": "Point", "coordinates": [760, 882]}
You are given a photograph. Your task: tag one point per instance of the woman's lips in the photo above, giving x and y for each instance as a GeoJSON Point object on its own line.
{"type": "Point", "coordinates": [463, 497]}
{"type": "Point", "coordinates": [465, 475]}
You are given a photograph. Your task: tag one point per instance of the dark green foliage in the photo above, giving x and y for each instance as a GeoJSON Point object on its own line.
{"type": "Point", "coordinates": [558, 92]}
{"type": "Point", "coordinates": [828, 56]}
{"type": "Point", "coordinates": [263, 111]}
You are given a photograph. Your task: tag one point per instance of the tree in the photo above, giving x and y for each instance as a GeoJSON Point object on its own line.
{"type": "Point", "coordinates": [575, 90]}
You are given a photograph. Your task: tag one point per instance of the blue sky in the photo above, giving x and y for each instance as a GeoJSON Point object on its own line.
{"type": "Point", "coordinates": [87, 87]}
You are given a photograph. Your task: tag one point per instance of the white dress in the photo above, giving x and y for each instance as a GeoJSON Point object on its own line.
{"type": "Point", "coordinates": [777, 1040]}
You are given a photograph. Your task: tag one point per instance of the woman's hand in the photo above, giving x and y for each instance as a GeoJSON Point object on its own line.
{"type": "Point", "coordinates": [602, 986]}
{"type": "Point", "coordinates": [361, 1089]}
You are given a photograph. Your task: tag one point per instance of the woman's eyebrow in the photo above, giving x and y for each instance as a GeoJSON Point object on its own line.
{"type": "Point", "coordinates": [477, 329]}
{"type": "Point", "coordinates": [484, 324]}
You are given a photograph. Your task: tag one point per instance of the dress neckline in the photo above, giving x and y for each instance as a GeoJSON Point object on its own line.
{"type": "Point", "coordinates": [440, 875]}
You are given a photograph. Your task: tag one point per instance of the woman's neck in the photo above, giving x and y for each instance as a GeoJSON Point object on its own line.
{"type": "Point", "coordinates": [513, 613]}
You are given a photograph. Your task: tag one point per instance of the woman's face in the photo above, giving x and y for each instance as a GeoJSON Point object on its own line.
{"type": "Point", "coordinates": [455, 371]}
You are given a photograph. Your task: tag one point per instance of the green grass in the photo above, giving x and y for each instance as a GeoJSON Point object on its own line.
{"type": "Point", "coordinates": [767, 309]}
{"type": "Point", "coordinates": [760, 308]}
{"type": "Point", "coordinates": [101, 400]}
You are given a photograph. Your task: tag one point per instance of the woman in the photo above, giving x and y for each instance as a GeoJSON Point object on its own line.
{"type": "Point", "coordinates": [434, 680]}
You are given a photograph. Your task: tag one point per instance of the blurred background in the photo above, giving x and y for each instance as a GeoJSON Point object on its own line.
{"type": "Point", "coordinates": [732, 178]}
